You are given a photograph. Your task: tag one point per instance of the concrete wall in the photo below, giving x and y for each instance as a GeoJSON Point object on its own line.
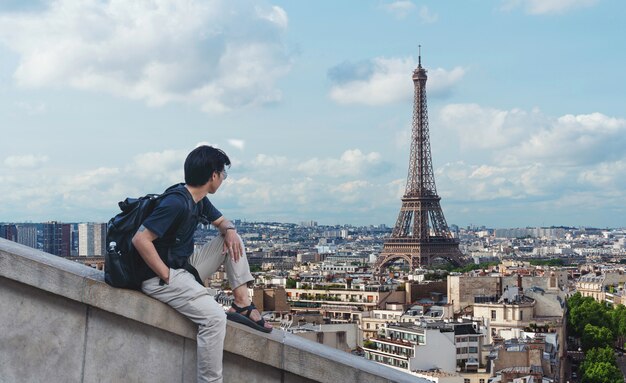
{"type": "Point", "coordinates": [417, 291]}
{"type": "Point", "coordinates": [463, 288]}
{"type": "Point", "coordinates": [438, 352]}
{"type": "Point", "coordinates": [525, 358]}
{"type": "Point", "coordinates": [59, 322]}
{"type": "Point", "coordinates": [343, 337]}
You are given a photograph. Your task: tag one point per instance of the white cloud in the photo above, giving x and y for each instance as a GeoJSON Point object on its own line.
{"type": "Point", "coordinates": [402, 8]}
{"type": "Point", "coordinates": [426, 16]}
{"type": "Point", "coordinates": [154, 164]}
{"type": "Point", "coordinates": [399, 9]}
{"type": "Point", "coordinates": [527, 156]}
{"type": "Point", "coordinates": [540, 7]}
{"type": "Point", "coordinates": [263, 161]}
{"type": "Point", "coordinates": [149, 172]}
{"type": "Point", "coordinates": [488, 128]}
{"type": "Point", "coordinates": [386, 80]}
{"type": "Point", "coordinates": [90, 194]}
{"type": "Point", "coordinates": [274, 14]}
{"type": "Point", "coordinates": [352, 191]}
{"type": "Point", "coordinates": [465, 182]}
{"type": "Point", "coordinates": [586, 160]}
{"type": "Point", "coordinates": [351, 187]}
{"type": "Point", "coordinates": [277, 186]}
{"type": "Point", "coordinates": [573, 140]}
{"type": "Point", "coordinates": [606, 175]}
{"type": "Point", "coordinates": [217, 55]}
{"type": "Point", "coordinates": [486, 171]}
{"type": "Point", "coordinates": [517, 137]}
{"type": "Point", "coordinates": [351, 163]}
{"type": "Point", "coordinates": [97, 188]}
{"type": "Point", "coordinates": [25, 161]}
{"type": "Point", "coordinates": [239, 144]}
{"type": "Point", "coordinates": [264, 187]}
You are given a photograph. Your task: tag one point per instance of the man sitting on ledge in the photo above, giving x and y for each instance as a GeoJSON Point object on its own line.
{"type": "Point", "coordinates": [173, 272]}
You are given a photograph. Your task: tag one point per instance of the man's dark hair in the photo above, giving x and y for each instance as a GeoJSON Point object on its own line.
{"type": "Point", "coordinates": [202, 162]}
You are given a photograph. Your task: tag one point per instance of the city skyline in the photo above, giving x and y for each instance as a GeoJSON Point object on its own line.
{"type": "Point", "coordinates": [313, 103]}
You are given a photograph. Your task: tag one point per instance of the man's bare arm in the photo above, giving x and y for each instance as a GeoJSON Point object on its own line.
{"type": "Point", "coordinates": [232, 243]}
{"type": "Point", "coordinates": [143, 243]}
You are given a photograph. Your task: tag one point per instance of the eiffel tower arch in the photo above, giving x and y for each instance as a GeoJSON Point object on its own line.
{"type": "Point", "coordinates": [421, 233]}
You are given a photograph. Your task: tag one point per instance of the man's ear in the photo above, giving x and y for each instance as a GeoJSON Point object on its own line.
{"type": "Point", "coordinates": [210, 179]}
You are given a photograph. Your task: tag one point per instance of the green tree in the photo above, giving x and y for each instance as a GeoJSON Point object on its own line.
{"type": "Point", "coordinates": [602, 372]}
{"type": "Point", "coordinates": [618, 320]}
{"type": "Point", "coordinates": [596, 337]}
{"type": "Point", "coordinates": [583, 311]}
{"type": "Point", "coordinates": [575, 300]}
{"type": "Point", "coordinates": [291, 283]}
{"type": "Point", "coordinates": [597, 355]}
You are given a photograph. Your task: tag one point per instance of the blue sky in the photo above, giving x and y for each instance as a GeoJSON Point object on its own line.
{"type": "Point", "coordinates": [103, 99]}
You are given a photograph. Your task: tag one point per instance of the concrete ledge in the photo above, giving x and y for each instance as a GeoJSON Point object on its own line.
{"type": "Point", "coordinates": [101, 322]}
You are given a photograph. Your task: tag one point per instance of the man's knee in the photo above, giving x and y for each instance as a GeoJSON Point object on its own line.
{"type": "Point", "coordinates": [202, 309]}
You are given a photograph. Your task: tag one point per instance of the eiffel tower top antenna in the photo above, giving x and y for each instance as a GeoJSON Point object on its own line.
{"type": "Point", "coordinates": [419, 55]}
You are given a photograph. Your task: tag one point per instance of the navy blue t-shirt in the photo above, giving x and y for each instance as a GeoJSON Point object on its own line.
{"type": "Point", "coordinates": [174, 221]}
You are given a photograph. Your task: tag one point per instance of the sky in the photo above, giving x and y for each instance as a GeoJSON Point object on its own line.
{"type": "Point", "coordinates": [312, 101]}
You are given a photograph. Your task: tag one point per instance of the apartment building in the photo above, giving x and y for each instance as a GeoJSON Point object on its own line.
{"type": "Point", "coordinates": [375, 320]}
{"type": "Point", "coordinates": [92, 239]}
{"type": "Point", "coordinates": [603, 287]}
{"type": "Point", "coordinates": [440, 345]}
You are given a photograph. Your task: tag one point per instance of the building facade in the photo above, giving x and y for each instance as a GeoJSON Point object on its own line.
{"type": "Point", "coordinates": [57, 238]}
{"type": "Point", "coordinates": [438, 345]}
{"type": "Point", "coordinates": [91, 239]}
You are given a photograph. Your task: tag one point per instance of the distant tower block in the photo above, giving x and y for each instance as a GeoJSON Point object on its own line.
{"type": "Point", "coordinates": [421, 233]}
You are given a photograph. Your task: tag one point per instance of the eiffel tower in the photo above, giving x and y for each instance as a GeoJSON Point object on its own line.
{"type": "Point", "coordinates": [421, 233]}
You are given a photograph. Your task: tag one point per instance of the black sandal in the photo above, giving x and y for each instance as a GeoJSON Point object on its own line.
{"type": "Point", "coordinates": [245, 318]}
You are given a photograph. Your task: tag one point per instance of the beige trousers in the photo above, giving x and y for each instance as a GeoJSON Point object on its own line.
{"type": "Point", "coordinates": [192, 300]}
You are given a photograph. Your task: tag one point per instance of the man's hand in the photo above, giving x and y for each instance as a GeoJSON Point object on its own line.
{"type": "Point", "coordinates": [143, 243]}
{"type": "Point", "coordinates": [232, 245]}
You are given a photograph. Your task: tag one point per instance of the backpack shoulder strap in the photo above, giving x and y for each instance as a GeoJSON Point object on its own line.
{"type": "Point", "coordinates": [174, 189]}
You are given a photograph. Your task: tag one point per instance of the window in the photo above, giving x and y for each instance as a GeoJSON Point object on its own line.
{"type": "Point", "coordinates": [493, 314]}
{"type": "Point", "coordinates": [341, 337]}
{"type": "Point", "coordinates": [481, 381]}
{"type": "Point", "coordinates": [473, 350]}
{"type": "Point", "coordinates": [466, 381]}
{"type": "Point", "coordinates": [320, 337]}
{"type": "Point", "coordinates": [521, 315]}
